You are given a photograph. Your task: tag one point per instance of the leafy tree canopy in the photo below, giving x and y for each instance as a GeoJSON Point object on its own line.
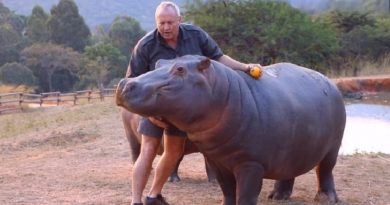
{"type": "Point", "coordinates": [265, 31]}
{"type": "Point", "coordinates": [67, 27]}
{"type": "Point", "coordinates": [16, 74]}
{"type": "Point", "coordinates": [37, 25]}
{"type": "Point", "coordinates": [103, 62]}
{"type": "Point", "coordinates": [124, 32]}
{"type": "Point", "coordinates": [11, 35]}
{"type": "Point", "coordinates": [55, 66]}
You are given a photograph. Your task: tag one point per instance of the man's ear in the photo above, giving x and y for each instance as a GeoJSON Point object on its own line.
{"type": "Point", "coordinates": [204, 64]}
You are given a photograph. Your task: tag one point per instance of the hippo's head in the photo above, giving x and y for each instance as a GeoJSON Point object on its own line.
{"type": "Point", "coordinates": [179, 90]}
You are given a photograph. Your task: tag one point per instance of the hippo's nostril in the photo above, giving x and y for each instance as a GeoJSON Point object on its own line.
{"type": "Point", "coordinates": [121, 85]}
{"type": "Point", "coordinates": [130, 86]}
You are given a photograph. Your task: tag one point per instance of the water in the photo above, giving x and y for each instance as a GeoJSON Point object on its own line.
{"type": "Point", "coordinates": [368, 127]}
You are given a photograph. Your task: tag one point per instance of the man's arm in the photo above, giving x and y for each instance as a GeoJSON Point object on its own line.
{"type": "Point", "coordinates": [236, 65]}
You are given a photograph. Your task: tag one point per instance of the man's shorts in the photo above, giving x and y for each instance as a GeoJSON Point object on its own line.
{"type": "Point", "coordinates": [147, 128]}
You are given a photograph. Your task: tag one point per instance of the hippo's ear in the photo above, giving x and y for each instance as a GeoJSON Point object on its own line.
{"type": "Point", "coordinates": [204, 64]}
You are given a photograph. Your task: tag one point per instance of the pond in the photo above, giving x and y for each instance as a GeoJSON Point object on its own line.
{"type": "Point", "coordinates": [368, 125]}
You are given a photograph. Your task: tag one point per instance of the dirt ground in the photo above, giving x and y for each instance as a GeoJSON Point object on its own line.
{"type": "Point", "coordinates": [88, 162]}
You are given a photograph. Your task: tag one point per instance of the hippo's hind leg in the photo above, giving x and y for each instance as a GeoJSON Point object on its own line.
{"type": "Point", "coordinates": [326, 188]}
{"type": "Point", "coordinates": [175, 175]}
{"type": "Point", "coordinates": [282, 189]}
{"type": "Point", "coordinates": [210, 170]}
{"type": "Point", "coordinates": [135, 146]}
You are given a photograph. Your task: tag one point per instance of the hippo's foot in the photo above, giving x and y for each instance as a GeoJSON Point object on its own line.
{"type": "Point", "coordinates": [282, 190]}
{"type": "Point", "coordinates": [212, 180]}
{"type": "Point", "coordinates": [329, 197]}
{"type": "Point", "coordinates": [277, 195]}
{"type": "Point", "coordinates": [174, 178]}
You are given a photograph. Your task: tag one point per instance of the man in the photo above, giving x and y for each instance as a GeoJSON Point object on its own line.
{"type": "Point", "coordinates": [171, 39]}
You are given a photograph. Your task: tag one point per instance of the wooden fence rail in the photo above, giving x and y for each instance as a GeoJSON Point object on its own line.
{"type": "Point", "coordinates": [11, 102]}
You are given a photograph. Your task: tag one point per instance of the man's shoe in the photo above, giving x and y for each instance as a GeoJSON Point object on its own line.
{"type": "Point", "coordinates": [159, 200]}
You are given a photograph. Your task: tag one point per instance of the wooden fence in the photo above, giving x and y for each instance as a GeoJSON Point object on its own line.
{"type": "Point", "coordinates": [12, 102]}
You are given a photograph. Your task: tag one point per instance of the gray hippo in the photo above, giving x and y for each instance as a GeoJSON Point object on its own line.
{"type": "Point", "coordinates": [283, 125]}
{"type": "Point", "coordinates": [130, 124]}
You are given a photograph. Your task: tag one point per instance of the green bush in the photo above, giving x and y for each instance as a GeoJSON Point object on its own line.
{"type": "Point", "coordinates": [16, 74]}
{"type": "Point", "coordinates": [265, 31]}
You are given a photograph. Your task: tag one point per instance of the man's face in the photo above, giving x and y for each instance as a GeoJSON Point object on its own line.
{"type": "Point", "coordinates": [168, 23]}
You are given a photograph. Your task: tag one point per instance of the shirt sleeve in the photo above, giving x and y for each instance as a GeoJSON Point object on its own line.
{"type": "Point", "coordinates": [138, 63]}
{"type": "Point", "coordinates": [209, 47]}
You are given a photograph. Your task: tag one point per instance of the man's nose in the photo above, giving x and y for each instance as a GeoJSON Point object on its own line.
{"type": "Point", "coordinates": [166, 27]}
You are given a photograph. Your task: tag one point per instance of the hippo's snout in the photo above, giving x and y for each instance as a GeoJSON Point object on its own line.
{"type": "Point", "coordinates": [118, 92]}
{"type": "Point", "coordinates": [124, 90]}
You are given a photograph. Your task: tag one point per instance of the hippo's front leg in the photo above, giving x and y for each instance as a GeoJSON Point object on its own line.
{"type": "Point", "coordinates": [227, 182]}
{"type": "Point", "coordinates": [249, 179]}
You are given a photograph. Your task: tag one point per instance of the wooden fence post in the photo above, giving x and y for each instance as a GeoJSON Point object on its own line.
{"type": "Point", "coordinates": [40, 100]}
{"type": "Point", "coordinates": [58, 98]}
{"type": "Point", "coordinates": [89, 95]}
{"type": "Point", "coordinates": [75, 98]}
{"type": "Point", "coordinates": [20, 101]}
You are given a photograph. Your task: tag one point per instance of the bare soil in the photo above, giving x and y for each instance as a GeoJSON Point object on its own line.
{"type": "Point", "coordinates": [88, 162]}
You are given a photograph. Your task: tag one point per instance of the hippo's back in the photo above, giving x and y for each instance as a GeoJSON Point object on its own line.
{"type": "Point", "coordinates": [301, 117]}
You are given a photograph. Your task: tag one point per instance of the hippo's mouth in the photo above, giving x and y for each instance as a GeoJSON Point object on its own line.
{"type": "Point", "coordinates": [168, 88]}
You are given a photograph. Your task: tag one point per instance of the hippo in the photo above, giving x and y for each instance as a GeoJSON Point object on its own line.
{"type": "Point", "coordinates": [130, 123]}
{"type": "Point", "coordinates": [278, 127]}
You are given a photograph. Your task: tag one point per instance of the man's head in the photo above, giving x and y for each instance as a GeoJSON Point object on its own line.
{"type": "Point", "coordinates": [168, 20]}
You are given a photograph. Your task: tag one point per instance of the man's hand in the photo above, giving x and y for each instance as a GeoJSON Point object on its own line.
{"type": "Point", "coordinates": [159, 122]}
{"type": "Point", "coordinates": [254, 70]}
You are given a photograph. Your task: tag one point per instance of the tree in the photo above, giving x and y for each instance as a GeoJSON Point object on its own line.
{"type": "Point", "coordinates": [101, 34]}
{"type": "Point", "coordinates": [380, 37]}
{"type": "Point", "coordinates": [362, 37]}
{"type": "Point", "coordinates": [55, 66]}
{"type": "Point", "coordinates": [102, 63]}
{"type": "Point", "coordinates": [265, 31]}
{"type": "Point", "coordinates": [37, 26]}
{"type": "Point", "coordinates": [4, 13]}
{"type": "Point", "coordinates": [67, 27]}
{"type": "Point", "coordinates": [11, 38]}
{"type": "Point", "coordinates": [124, 33]}
{"type": "Point", "coordinates": [97, 70]}
{"type": "Point", "coordinates": [346, 21]}
{"type": "Point", "coordinates": [16, 74]}
{"type": "Point", "coordinates": [10, 41]}
{"type": "Point", "coordinates": [372, 6]}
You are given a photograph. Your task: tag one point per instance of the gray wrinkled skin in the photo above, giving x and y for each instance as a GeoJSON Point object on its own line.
{"type": "Point", "coordinates": [286, 123]}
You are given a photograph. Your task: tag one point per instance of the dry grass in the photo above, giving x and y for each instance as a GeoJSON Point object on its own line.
{"type": "Point", "coordinates": [364, 68]}
{"type": "Point", "coordinates": [49, 118]}
{"type": "Point", "coordinates": [15, 89]}
{"type": "Point", "coordinates": [79, 155]}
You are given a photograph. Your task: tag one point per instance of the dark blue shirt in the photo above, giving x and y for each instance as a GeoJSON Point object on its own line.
{"type": "Point", "coordinates": [152, 47]}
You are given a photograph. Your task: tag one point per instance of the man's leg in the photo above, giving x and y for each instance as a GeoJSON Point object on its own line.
{"type": "Point", "coordinates": [143, 166]}
{"type": "Point", "coordinates": [173, 150]}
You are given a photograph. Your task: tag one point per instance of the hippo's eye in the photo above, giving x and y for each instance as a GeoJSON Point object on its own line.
{"type": "Point", "coordinates": [179, 71]}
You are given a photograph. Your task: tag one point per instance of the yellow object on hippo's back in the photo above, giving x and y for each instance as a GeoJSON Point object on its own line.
{"type": "Point", "coordinates": [255, 72]}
